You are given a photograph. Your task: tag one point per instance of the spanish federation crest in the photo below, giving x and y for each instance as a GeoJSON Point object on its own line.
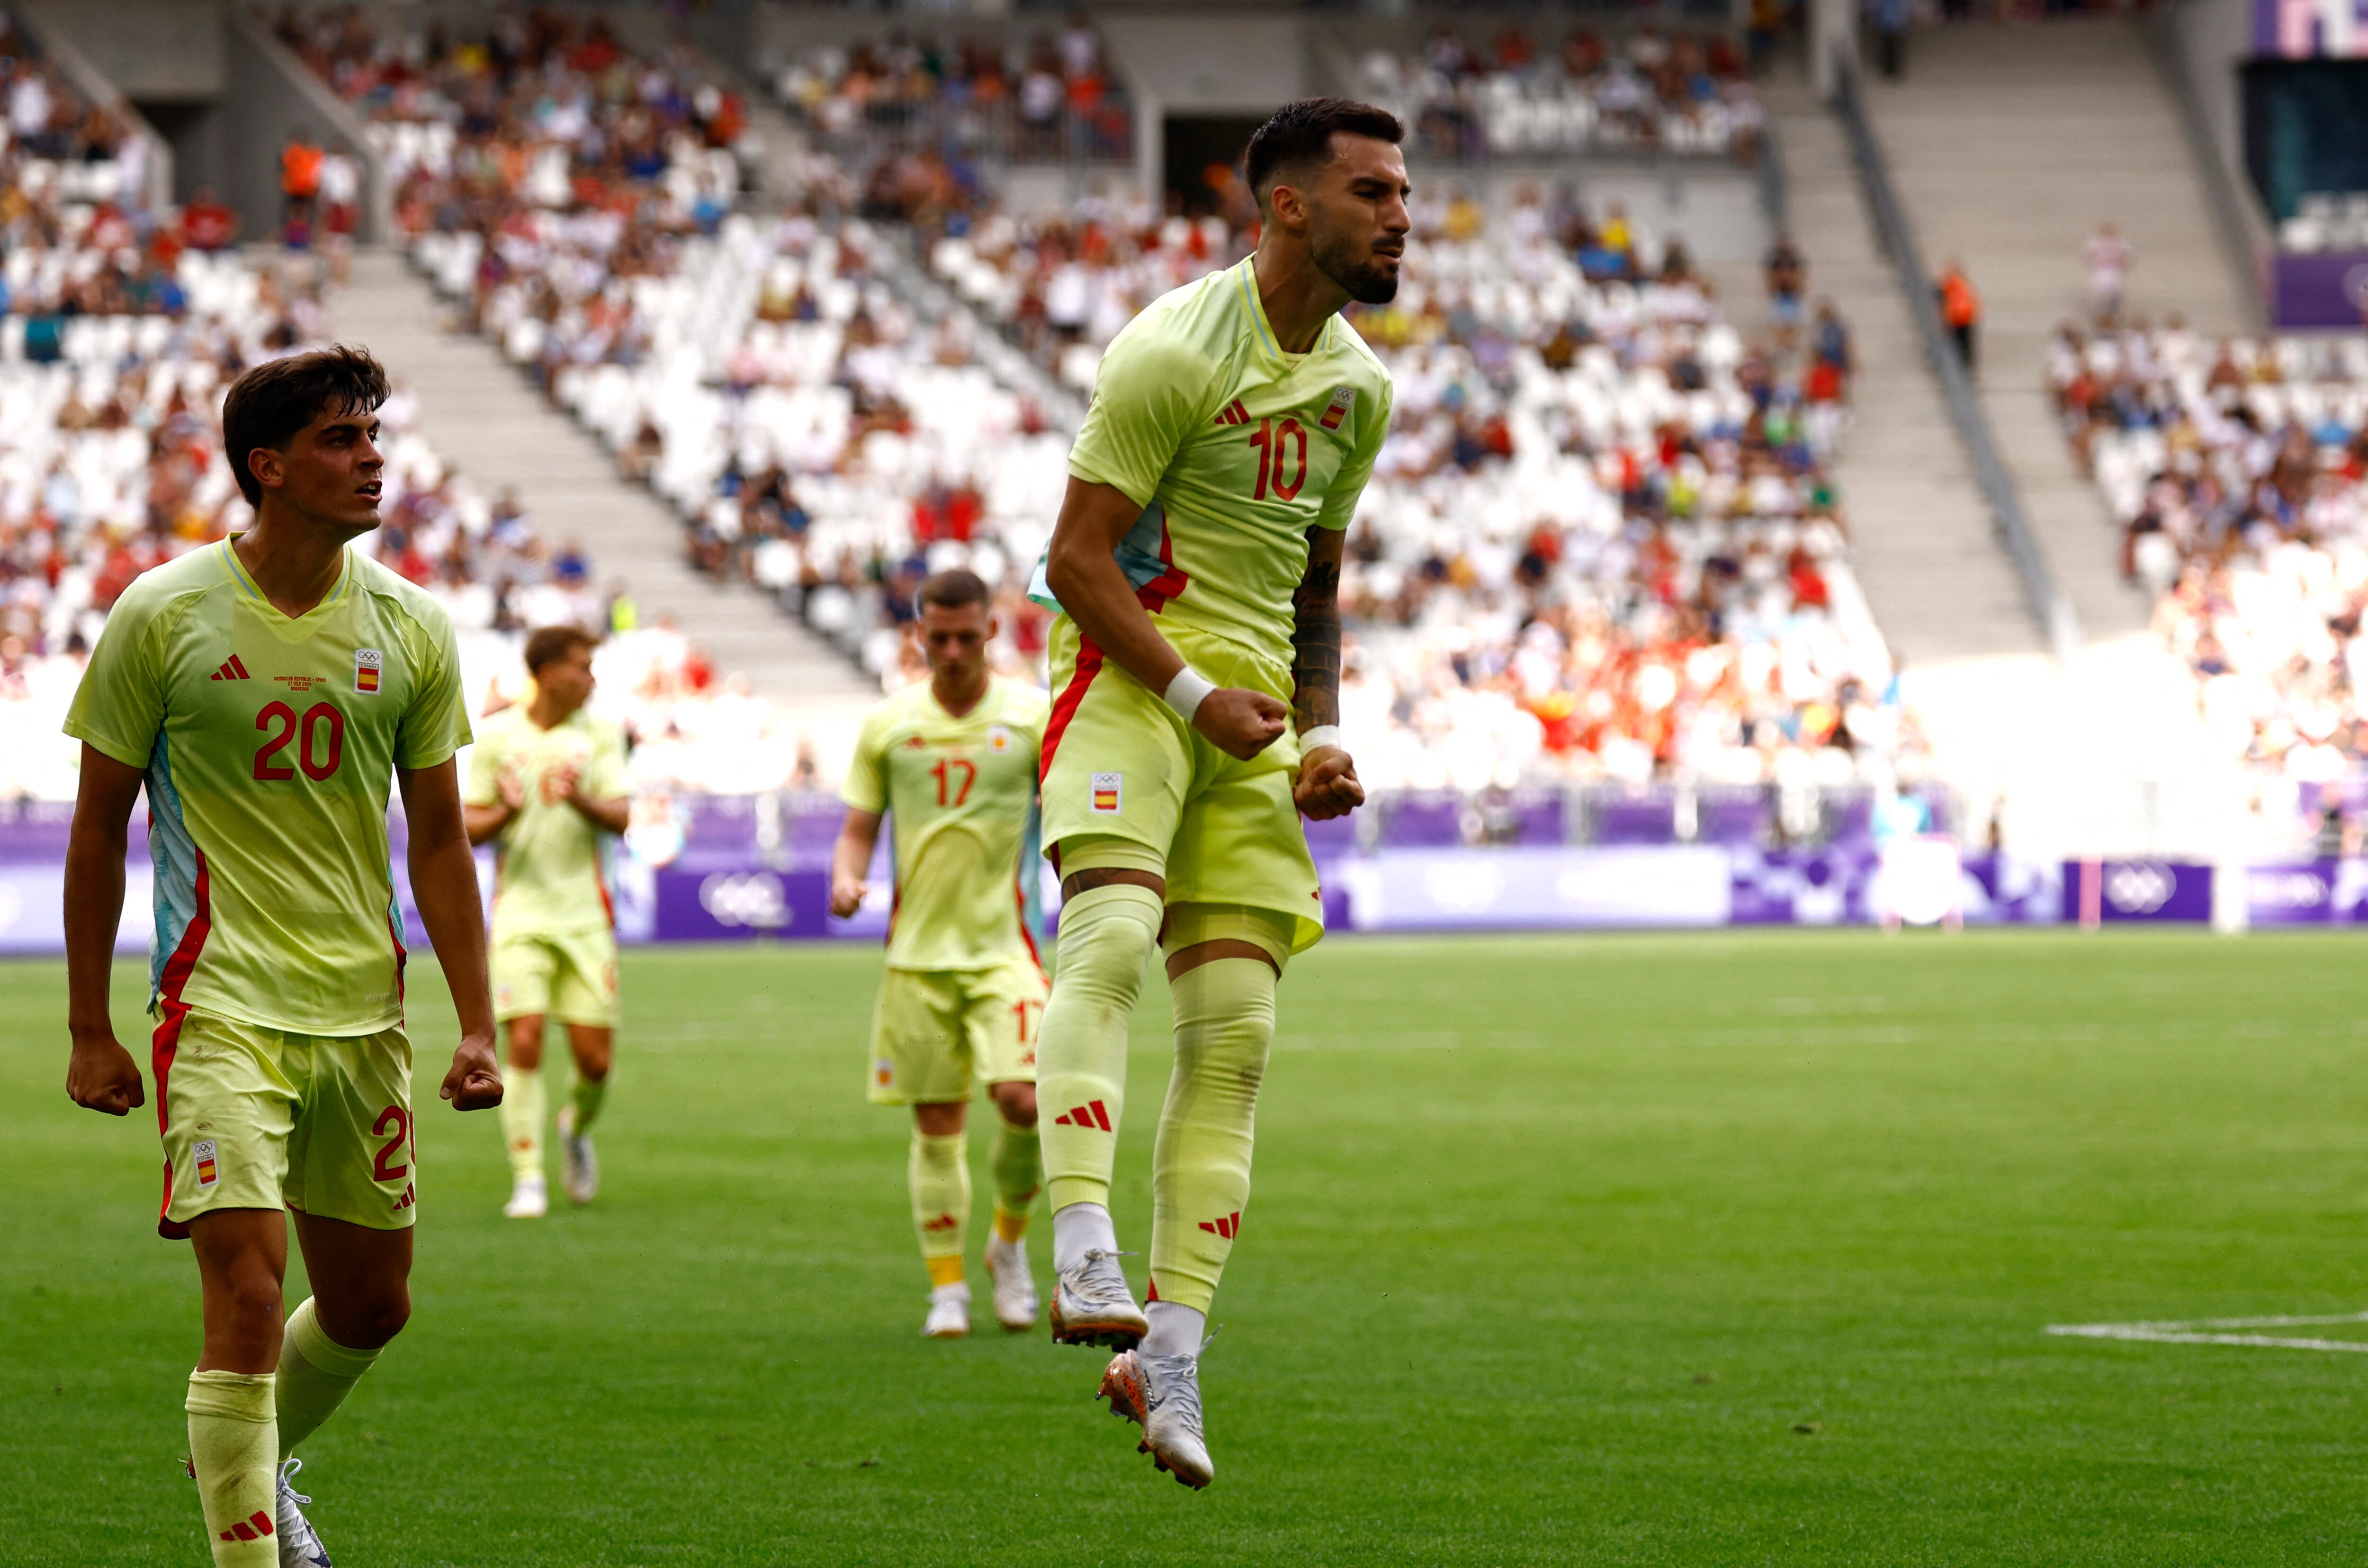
{"type": "Point", "coordinates": [1343, 400]}
{"type": "Point", "coordinates": [998, 738]}
{"type": "Point", "coordinates": [368, 663]}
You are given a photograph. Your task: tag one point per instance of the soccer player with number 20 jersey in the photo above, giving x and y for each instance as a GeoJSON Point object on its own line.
{"type": "Point", "coordinates": [1196, 562]}
{"type": "Point", "coordinates": [951, 763]}
{"type": "Point", "coordinates": [268, 690]}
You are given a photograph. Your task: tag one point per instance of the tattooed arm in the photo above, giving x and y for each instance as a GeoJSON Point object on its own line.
{"type": "Point", "coordinates": [1326, 786]}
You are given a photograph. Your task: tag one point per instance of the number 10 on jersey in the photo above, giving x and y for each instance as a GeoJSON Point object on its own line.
{"type": "Point", "coordinates": [1280, 447]}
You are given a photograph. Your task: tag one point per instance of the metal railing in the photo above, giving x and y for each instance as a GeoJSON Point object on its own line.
{"type": "Point", "coordinates": [2048, 606]}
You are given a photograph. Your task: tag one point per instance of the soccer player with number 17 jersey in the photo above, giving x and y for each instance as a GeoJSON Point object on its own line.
{"type": "Point", "coordinates": [268, 690]}
{"type": "Point", "coordinates": [1196, 564]}
{"type": "Point", "coordinates": [951, 762]}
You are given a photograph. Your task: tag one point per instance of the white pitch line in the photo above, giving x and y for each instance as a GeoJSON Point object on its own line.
{"type": "Point", "coordinates": [2192, 1331]}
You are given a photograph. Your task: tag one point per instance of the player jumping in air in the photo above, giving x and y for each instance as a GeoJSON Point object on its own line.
{"type": "Point", "coordinates": [1196, 663]}
{"type": "Point", "coordinates": [267, 691]}
{"type": "Point", "coordinates": [952, 762]}
{"type": "Point", "coordinates": [546, 780]}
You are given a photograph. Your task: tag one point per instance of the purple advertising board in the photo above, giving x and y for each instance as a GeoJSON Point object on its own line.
{"type": "Point", "coordinates": [2098, 892]}
{"type": "Point", "coordinates": [2318, 289]}
{"type": "Point", "coordinates": [2322, 893]}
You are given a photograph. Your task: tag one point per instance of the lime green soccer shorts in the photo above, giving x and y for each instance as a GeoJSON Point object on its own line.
{"type": "Point", "coordinates": [257, 1117]}
{"type": "Point", "coordinates": [571, 976]}
{"type": "Point", "coordinates": [936, 1033]}
{"type": "Point", "coordinates": [1118, 762]}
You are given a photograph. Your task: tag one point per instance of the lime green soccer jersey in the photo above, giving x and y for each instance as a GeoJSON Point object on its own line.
{"type": "Point", "coordinates": [551, 878]}
{"type": "Point", "coordinates": [960, 796]}
{"type": "Point", "coordinates": [1233, 450]}
{"type": "Point", "coordinates": [269, 746]}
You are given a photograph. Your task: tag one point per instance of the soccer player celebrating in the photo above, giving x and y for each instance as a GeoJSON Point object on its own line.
{"type": "Point", "coordinates": [267, 690]}
{"type": "Point", "coordinates": [1197, 566]}
{"type": "Point", "coordinates": [545, 781]}
{"type": "Point", "coordinates": [953, 761]}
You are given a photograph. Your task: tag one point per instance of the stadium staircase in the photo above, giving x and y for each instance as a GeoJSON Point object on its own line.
{"type": "Point", "coordinates": [2008, 144]}
{"type": "Point", "coordinates": [486, 418]}
{"type": "Point", "coordinates": [2107, 756]}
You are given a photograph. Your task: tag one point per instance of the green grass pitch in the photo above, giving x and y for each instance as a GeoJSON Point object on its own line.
{"type": "Point", "coordinates": [1701, 1249]}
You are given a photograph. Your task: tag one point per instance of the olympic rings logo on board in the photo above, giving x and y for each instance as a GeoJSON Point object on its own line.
{"type": "Point", "coordinates": [753, 898]}
{"type": "Point", "coordinates": [2140, 889]}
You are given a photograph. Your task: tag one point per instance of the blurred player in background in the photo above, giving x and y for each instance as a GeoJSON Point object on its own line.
{"type": "Point", "coordinates": [952, 761]}
{"type": "Point", "coordinates": [546, 781]}
{"type": "Point", "coordinates": [1196, 564]}
{"type": "Point", "coordinates": [267, 691]}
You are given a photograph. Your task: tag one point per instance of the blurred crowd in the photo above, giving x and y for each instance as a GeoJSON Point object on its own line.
{"type": "Point", "coordinates": [2235, 470]}
{"type": "Point", "coordinates": [1055, 99]}
{"type": "Point", "coordinates": [1650, 91]}
{"type": "Point", "coordinates": [1601, 542]}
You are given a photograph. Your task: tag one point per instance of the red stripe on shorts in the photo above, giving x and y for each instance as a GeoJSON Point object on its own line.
{"type": "Point", "coordinates": [1064, 706]}
{"type": "Point", "coordinates": [166, 1043]}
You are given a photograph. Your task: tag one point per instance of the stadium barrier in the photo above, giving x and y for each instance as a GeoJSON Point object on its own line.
{"type": "Point", "coordinates": [739, 869]}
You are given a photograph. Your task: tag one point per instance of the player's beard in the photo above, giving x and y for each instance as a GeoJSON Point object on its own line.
{"type": "Point", "coordinates": [1352, 265]}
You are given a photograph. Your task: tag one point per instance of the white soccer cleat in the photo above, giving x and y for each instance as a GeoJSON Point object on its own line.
{"type": "Point", "coordinates": [299, 1543]}
{"type": "Point", "coordinates": [949, 1313]}
{"type": "Point", "coordinates": [1091, 1305]}
{"type": "Point", "coordinates": [1162, 1395]}
{"type": "Point", "coordinates": [529, 1199]}
{"type": "Point", "coordinates": [580, 1171]}
{"type": "Point", "coordinates": [1015, 1290]}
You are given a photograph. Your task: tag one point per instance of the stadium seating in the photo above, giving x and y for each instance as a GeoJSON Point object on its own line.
{"type": "Point", "coordinates": [1057, 99]}
{"type": "Point", "coordinates": [1674, 94]}
{"type": "Point", "coordinates": [2235, 469]}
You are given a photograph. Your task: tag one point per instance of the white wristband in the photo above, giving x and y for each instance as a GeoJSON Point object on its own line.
{"type": "Point", "coordinates": [1321, 735]}
{"type": "Point", "coordinates": [1186, 692]}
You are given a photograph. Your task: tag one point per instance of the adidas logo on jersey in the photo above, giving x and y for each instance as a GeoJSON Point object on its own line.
{"type": "Point", "coordinates": [233, 670]}
{"type": "Point", "coordinates": [1228, 1226]}
{"type": "Point", "coordinates": [1233, 414]}
{"type": "Point", "coordinates": [1090, 1116]}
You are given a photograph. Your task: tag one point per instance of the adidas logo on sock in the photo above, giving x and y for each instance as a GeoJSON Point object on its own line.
{"type": "Point", "coordinates": [1229, 1226]}
{"type": "Point", "coordinates": [233, 670]}
{"type": "Point", "coordinates": [256, 1526]}
{"type": "Point", "coordinates": [942, 1223]}
{"type": "Point", "coordinates": [1089, 1114]}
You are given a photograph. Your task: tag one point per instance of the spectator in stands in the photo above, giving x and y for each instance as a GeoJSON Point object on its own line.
{"type": "Point", "coordinates": [300, 188]}
{"type": "Point", "coordinates": [1961, 311]}
{"type": "Point", "coordinates": [1890, 19]}
{"type": "Point", "coordinates": [2108, 257]}
{"type": "Point", "coordinates": [207, 224]}
{"type": "Point", "coordinates": [1788, 278]}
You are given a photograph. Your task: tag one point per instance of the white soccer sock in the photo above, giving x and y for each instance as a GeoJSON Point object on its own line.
{"type": "Point", "coordinates": [1176, 1329]}
{"type": "Point", "coordinates": [1080, 1229]}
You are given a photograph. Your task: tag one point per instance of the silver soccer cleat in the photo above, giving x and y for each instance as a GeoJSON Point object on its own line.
{"type": "Point", "coordinates": [1015, 1290]}
{"type": "Point", "coordinates": [299, 1543]}
{"type": "Point", "coordinates": [580, 1171]}
{"type": "Point", "coordinates": [1162, 1395]}
{"type": "Point", "coordinates": [949, 1313]}
{"type": "Point", "coordinates": [529, 1199]}
{"type": "Point", "coordinates": [1091, 1305]}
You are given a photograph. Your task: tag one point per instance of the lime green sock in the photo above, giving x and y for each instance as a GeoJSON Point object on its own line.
{"type": "Point", "coordinates": [235, 1448]}
{"type": "Point", "coordinates": [522, 1113]}
{"type": "Point", "coordinates": [316, 1375]}
{"type": "Point", "coordinates": [1017, 1158]}
{"type": "Point", "coordinates": [589, 1093]}
{"type": "Point", "coordinates": [937, 1173]}
{"type": "Point", "coordinates": [1105, 939]}
{"type": "Point", "coordinates": [1200, 1165]}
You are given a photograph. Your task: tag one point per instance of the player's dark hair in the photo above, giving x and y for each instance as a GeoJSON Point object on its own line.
{"type": "Point", "coordinates": [1299, 135]}
{"type": "Point", "coordinates": [270, 403]}
{"type": "Point", "coordinates": [952, 589]}
{"type": "Point", "coordinates": [549, 644]}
